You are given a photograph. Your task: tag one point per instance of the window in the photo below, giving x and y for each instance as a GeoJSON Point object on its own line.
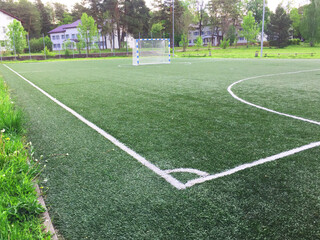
{"type": "Point", "coordinates": [53, 37]}
{"type": "Point", "coordinates": [58, 45]}
{"type": "Point", "coordinates": [189, 41]}
{"type": "Point", "coordinates": [57, 37]}
{"type": "Point", "coordinates": [73, 36]}
{"type": "Point", "coordinates": [62, 36]}
{"type": "Point", "coordinates": [4, 29]}
{"type": "Point", "coordinates": [202, 33]}
{"type": "Point", "coordinates": [241, 38]}
{"type": "Point", "coordinates": [196, 33]}
{"type": "Point", "coordinates": [209, 33]}
{"type": "Point", "coordinates": [67, 36]}
{"type": "Point", "coordinates": [54, 45]}
{"type": "Point", "coordinates": [194, 40]}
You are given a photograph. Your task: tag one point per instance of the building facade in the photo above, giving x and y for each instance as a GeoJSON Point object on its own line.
{"type": "Point", "coordinates": [207, 35]}
{"type": "Point", "coordinates": [70, 32]}
{"type": "Point", "coordinates": [5, 19]}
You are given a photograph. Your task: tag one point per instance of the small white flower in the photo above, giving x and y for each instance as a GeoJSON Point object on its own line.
{"type": "Point", "coordinates": [3, 130]}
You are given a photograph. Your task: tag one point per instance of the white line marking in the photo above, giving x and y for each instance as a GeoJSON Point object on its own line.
{"type": "Point", "coordinates": [188, 170]}
{"type": "Point", "coordinates": [174, 182]}
{"type": "Point", "coordinates": [267, 109]}
{"type": "Point", "coordinates": [250, 165]}
{"type": "Point", "coordinates": [205, 177]}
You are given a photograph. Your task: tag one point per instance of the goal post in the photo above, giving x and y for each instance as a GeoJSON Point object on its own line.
{"type": "Point", "coordinates": [151, 51]}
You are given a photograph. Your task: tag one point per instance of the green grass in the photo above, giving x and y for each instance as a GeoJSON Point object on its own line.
{"type": "Point", "coordinates": [303, 51]}
{"type": "Point", "coordinates": [177, 115]}
{"type": "Point", "coordinates": [19, 208]}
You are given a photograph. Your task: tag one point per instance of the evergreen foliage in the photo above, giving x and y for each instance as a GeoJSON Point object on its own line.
{"type": "Point", "coordinates": [278, 28]}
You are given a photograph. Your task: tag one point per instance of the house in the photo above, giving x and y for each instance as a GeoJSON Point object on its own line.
{"type": "Point", "coordinates": [5, 19]}
{"type": "Point", "coordinates": [69, 31]}
{"type": "Point", "coordinates": [207, 35]}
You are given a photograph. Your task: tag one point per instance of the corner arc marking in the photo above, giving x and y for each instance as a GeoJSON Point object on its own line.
{"type": "Point", "coordinates": [187, 170]}
{"type": "Point", "coordinates": [173, 181]}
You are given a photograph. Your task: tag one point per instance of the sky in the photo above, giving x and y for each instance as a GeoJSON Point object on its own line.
{"type": "Point", "coordinates": [272, 4]}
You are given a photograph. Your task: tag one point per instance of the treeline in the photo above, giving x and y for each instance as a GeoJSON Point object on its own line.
{"type": "Point", "coordinates": [224, 17]}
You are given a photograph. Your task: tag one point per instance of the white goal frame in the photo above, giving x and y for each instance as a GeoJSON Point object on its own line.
{"type": "Point", "coordinates": [156, 54]}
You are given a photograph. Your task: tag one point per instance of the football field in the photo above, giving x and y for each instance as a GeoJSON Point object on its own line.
{"type": "Point", "coordinates": [196, 149]}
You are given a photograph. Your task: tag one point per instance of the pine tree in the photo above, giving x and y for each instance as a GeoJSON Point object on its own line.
{"type": "Point", "coordinates": [278, 28]}
{"type": "Point", "coordinates": [46, 25]}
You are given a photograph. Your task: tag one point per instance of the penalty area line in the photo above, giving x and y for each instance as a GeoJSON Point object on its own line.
{"type": "Point", "coordinates": [253, 164]}
{"type": "Point", "coordinates": [173, 181]}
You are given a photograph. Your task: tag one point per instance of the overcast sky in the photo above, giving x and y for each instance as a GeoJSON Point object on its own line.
{"type": "Point", "coordinates": [272, 4]}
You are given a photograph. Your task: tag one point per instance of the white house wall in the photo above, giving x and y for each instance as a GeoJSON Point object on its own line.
{"type": "Point", "coordinates": [72, 33]}
{"type": "Point", "coordinates": [5, 20]}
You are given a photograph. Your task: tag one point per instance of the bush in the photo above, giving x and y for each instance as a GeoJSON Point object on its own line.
{"type": "Point", "coordinates": [199, 43]}
{"type": "Point", "coordinates": [36, 45]}
{"type": "Point", "coordinates": [225, 43]}
{"type": "Point", "coordinates": [184, 42]}
{"type": "Point", "coordinates": [266, 44]}
{"type": "Point", "coordinates": [47, 52]}
{"type": "Point", "coordinates": [294, 41]}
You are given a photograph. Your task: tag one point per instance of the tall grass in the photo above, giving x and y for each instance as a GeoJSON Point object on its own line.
{"type": "Point", "coordinates": [19, 208]}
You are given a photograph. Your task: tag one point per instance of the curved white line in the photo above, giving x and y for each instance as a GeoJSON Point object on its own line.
{"type": "Point", "coordinates": [267, 109]}
{"type": "Point", "coordinates": [188, 170]}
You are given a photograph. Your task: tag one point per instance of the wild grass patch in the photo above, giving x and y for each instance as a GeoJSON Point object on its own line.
{"type": "Point", "coordinates": [19, 208]}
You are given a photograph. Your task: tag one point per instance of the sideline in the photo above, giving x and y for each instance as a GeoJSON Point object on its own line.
{"type": "Point", "coordinates": [173, 181]}
{"type": "Point", "coordinates": [204, 176]}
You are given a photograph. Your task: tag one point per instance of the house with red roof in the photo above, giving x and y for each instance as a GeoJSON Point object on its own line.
{"type": "Point", "coordinates": [5, 19]}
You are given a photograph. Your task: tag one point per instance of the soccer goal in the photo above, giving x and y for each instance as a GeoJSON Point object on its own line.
{"type": "Point", "coordinates": [151, 51]}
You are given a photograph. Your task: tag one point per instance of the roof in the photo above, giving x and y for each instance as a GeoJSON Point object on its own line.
{"type": "Point", "coordinates": [63, 28]}
{"type": "Point", "coordinates": [10, 15]}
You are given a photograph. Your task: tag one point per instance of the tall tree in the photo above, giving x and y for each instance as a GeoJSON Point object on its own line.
{"type": "Point", "coordinates": [278, 28]}
{"type": "Point", "coordinates": [78, 9]}
{"type": "Point", "coordinates": [296, 20]}
{"type": "Point", "coordinates": [310, 24]}
{"type": "Point", "coordinates": [256, 7]}
{"type": "Point", "coordinates": [17, 37]}
{"type": "Point", "coordinates": [27, 12]}
{"type": "Point", "coordinates": [224, 13]}
{"type": "Point", "coordinates": [59, 10]}
{"type": "Point", "coordinates": [87, 30]}
{"type": "Point", "coordinates": [250, 28]}
{"type": "Point", "coordinates": [163, 14]}
{"type": "Point", "coordinates": [46, 25]}
{"type": "Point", "coordinates": [136, 17]}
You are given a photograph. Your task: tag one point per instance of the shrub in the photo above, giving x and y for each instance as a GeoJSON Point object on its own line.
{"type": "Point", "coordinates": [36, 44]}
{"type": "Point", "coordinates": [47, 52]}
{"type": "Point", "coordinates": [294, 41]}
{"type": "Point", "coordinates": [266, 44]}
{"type": "Point", "coordinates": [225, 43]}
{"type": "Point", "coordinates": [184, 42]}
{"type": "Point", "coordinates": [209, 46]}
{"type": "Point", "coordinates": [199, 43]}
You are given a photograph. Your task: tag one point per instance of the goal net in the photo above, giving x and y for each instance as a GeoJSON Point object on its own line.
{"type": "Point", "coordinates": [151, 51]}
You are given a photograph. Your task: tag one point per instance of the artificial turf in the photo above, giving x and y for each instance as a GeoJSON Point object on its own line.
{"type": "Point", "coordinates": [177, 115]}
